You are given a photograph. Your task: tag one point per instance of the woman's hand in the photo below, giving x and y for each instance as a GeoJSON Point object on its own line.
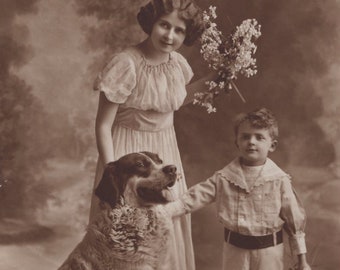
{"type": "Point", "coordinates": [199, 86]}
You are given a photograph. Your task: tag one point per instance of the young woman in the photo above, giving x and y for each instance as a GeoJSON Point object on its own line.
{"type": "Point", "coordinates": [140, 89]}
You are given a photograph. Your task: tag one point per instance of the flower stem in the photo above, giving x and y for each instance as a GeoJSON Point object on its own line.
{"type": "Point", "coordinates": [238, 91]}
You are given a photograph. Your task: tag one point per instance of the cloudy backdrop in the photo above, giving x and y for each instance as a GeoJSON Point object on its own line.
{"type": "Point", "coordinates": [50, 52]}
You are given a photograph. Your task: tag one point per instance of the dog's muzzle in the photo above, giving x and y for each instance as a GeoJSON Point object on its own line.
{"type": "Point", "coordinates": [171, 171]}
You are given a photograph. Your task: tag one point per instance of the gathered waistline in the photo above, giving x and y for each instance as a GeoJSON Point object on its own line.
{"type": "Point", "coordinates": [144, 130]}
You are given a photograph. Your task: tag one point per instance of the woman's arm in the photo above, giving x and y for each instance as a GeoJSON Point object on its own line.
{"type": "Point", "coordinates": [106, 114]}
{"type": "Point", "coordinates": [199, 86]}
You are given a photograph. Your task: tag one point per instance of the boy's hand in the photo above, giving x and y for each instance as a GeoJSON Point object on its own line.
{"type": "Point", "coordinates": [301, 266]}
{"type": "Point", "coordinates": [174, 208]}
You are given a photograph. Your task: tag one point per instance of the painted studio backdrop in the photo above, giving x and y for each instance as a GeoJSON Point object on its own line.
{"type": "Point", "coordinates": [50, 53]}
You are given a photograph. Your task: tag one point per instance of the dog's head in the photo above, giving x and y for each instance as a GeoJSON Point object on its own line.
{"type": "Point", "coordinates": [140, 178]}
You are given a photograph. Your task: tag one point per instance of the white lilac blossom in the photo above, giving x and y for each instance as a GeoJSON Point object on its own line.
{"type": "Point", "coordinates": [228, 56]}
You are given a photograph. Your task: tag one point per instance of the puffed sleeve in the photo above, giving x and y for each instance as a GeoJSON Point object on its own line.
{"type": "Point", "coordinates": [117, 79]}
{"type": "Point", "coordinates": [186, 69]}
{"type": "Point", "coordinates": [293, 213]}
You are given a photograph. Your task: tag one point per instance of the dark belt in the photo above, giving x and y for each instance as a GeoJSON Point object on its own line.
{"type": "Point", "coordinates": [253, 242]}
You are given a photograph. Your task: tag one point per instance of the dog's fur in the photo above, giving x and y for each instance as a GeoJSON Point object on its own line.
{"type": "Point", "coordinates": [131, 230]}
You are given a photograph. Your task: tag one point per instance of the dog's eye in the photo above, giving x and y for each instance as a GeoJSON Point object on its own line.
{"type": "Point", "coordinates": [139, 164]}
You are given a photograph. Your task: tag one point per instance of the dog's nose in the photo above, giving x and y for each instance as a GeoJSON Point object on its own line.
{"type": "Point", "coordinates": [170, 169]}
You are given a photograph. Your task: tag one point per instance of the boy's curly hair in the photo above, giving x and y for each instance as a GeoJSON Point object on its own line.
{"type": "Point", "coordinates": [259, 118]}
{"type": "Point", "coordinates": [187, 11]}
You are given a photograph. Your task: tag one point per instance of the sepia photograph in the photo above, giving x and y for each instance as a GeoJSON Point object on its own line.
{"type": "Point", "coordinates": [169, 135]}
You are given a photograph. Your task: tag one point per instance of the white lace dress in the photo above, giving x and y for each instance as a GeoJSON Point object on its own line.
{"type": "Point", "coordinates": [148, 96]}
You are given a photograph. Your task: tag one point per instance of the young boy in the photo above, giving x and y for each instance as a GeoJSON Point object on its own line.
{"type": "Point", "coordinates": [254, 200]}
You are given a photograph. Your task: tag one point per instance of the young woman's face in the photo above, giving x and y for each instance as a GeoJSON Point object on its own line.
{"type": "Point", "coordinates": [254, 144]}
{"type": "Point", "coordinates": [168, 33]}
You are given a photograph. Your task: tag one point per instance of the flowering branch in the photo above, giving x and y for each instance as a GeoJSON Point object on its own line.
{"type": "Point", "coordinates": [237, 91]}
{"type": "Point", "coordinates": [228, 56]}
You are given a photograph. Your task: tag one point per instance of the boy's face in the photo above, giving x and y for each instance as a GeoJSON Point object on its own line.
{"type": "Point", "coordinates": [254, 144]}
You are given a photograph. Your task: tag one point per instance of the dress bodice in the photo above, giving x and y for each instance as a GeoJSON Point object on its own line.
{"type": "Point", "coordinates": [148, 94]}
{"type": "Point", "coordinates": [128, 79]}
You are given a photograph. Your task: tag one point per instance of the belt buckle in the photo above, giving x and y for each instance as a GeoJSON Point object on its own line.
{"type": "Point", "coordinates": [274, 238]}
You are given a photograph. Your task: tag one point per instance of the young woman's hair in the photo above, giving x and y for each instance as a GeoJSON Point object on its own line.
{"type": "Point", "coordinates": [187, 11]}
{"type": "Point", "coordinates": [259, 118]}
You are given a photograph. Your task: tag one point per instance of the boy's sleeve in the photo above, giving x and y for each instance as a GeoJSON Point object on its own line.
{"type": "Point", "coordinates": [200, 195]}
{"type": "Point", "coordinates": [294, 215]}
{"type": "Point", "coordinates": [195, 198]}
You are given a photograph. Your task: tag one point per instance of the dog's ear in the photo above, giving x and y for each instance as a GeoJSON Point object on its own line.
{"type": "Point", "coordinates": [153, 156]}
{"type": "Point", "coordinates": [108, 189]}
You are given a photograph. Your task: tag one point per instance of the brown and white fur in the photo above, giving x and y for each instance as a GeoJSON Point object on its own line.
{"type": "Point", "coordinates": [131, 231]}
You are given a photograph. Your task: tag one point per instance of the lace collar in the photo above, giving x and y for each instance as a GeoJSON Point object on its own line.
{"type": "Point", "coordinates": [234, 174]}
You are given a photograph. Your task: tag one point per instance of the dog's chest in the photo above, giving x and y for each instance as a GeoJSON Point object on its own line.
{"type": "Point", "coordinates": [133, 233]}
